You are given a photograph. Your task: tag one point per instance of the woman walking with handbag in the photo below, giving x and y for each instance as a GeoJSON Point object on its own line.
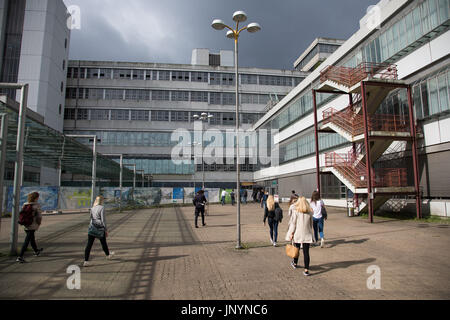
{"type": "Point", "coordinates": [97, 230]}
{"type": "Point", "coordinates": [319, 217]}
{"type": "Point", "coordinates": [300, 231]}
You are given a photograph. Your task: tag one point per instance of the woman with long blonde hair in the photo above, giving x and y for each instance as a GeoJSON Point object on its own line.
{"type": "Point", "coordinates": [274, 215]}
{"type": "Point", "coordinates": [97, 230]}
{"type": "Point", "coordinates": [301, 231]}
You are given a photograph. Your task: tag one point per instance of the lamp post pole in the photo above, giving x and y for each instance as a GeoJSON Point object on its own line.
{"type": "Point", "coordinates": [203, 117]}
{"type": "Point", "coordinates": [238, 17]}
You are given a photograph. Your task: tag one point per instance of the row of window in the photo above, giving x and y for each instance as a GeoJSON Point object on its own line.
{"type": "Point", "coordinates": [431, 96]}
{"type": "Point", "coordinates": [426, 17]}
{"type": "Point", "coordinates": [218, 118]}
{"type": "Point", "coordinates": [212, 78]}
{"type": "Point", "coordinates": [217, 98]}
{"type": "Point", "coordinates": [305, 146]}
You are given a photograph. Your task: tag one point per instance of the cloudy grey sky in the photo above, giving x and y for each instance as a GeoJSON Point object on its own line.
{"type": "Point", "coordinates": [166, 31]}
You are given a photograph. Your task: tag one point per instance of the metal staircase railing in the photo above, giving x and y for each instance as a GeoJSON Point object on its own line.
{"type": "Point", "coordinates": [351, 76]}
{"type": "Point", "coordinates": [353, 123]}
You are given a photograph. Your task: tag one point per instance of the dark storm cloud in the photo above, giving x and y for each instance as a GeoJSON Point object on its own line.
{"type": "Point", "coordinates": [167, 31]}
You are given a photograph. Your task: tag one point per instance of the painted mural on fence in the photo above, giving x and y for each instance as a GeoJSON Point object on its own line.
{"type": "Point", "coordinates": [112, 196]}
{"type": "Point", "coordinates": [73, 198]}
{"type": "Point", "coordinates": [178, 195]}
{"type": "Point", "coordinates": [48, 197]}
{"type": "Point", "coordinates": [147, 196]}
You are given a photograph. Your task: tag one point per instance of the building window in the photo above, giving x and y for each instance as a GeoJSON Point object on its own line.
{"type": "Point", "coordinates": [83, 114]}
{"type": "Point", "coordinates": [122, 74]}
{"type": "Point", "coordinates": [214, 60]}
{"type": "Point", "coordinates": [160, 115]}
{"type": "Point", "coordinates": [160, 95]}
{"type": "Point", "coordinates": [199, 77]}
{"type": "Point", "coordinates": [92, 73]}
{"type": "Point", "coordinates": [62, 86]}
{"type": "Point", "coordinates": [227, 79]}
{"type": "Point", "coordinates": [99, 114]}
{"type": "Point", "coordinates": [163, 76]}
{"type": "Point", "coordinates": [137, 95]}
{"type": "Point", "coordinates": [214, 78]}
{"type": "Point", "coordinates": [120, 114]}
{"type": "Point", "coordinates": [138, 74]}
{"type": "Point", "coordinates": [229, 98]}
{"type": "Point", "coordinates": [215, 98]}
{"type": "Point", "coordinates": [60, 109]}
{"type": "Point", "coordinates": [198, 96]}
{"type": "Point", "coordinates": [140, 115]}
{"type": "Point", "coordinates": [105, 73]}
{"type": "Point", "coordinates": [180, 116]}
{"type": "Point", "coordinates": [180, 76]}
{"type": "Point", "coordinates": [180, 95]}
{"type": "Point", "coordinates": [64, 65]}
{"type": "Point", "coordinates": [69, 114]}
{"type": "Point", "coordinates": [94, 94]}
{"type": "Point", "coordinates": [249, 79]}
{"type": "Point", "coordinates": [228, 118]}
{"type": "Point", "coordinates": [114, 94]}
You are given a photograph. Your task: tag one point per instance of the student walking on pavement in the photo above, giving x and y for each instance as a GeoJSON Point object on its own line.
{"type": "Point", "coordinates": [97, 230]}
{"type": "Point", "coordinates": [223, 196]}
{"type": "Point", "coordinates": [318, 219]}
{"type": "Point", "coordinates": [232, 195]}
{"type": "Point", "coordinates": [274, 215]}
{"type": "Point", "coordinates": [200, 203]}
{"type": "Point", "coordinates": [264, 199]}
{"type": "Point", "coordinates": [300, 231]}
{"type": "Point", "coordinates": [30, 230]}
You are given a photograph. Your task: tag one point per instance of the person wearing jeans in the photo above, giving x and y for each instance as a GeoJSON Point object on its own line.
{"type": "Point", "coordinates": [97, 218]}
{"type": "Point", "coordinates": [30, 230]}
{"type": "Point", "coordinates": [269, 214]}
{"type": "Point", "coordinates": [318, 220]}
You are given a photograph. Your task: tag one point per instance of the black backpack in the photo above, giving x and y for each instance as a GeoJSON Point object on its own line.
{"type": "Point", "coordinates": [26, 215]}
{"type": "Point", "coordinates": [278, 214]}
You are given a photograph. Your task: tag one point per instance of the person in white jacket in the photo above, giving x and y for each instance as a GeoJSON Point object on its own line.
{"type": "Point", "coordinates": [301, 231]}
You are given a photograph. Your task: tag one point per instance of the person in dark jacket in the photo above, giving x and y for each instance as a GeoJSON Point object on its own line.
{"type": "Point", "coordinates": [274, 215]}
{"type": "Point", "coordinates": [233, 199]}
{"type": "Point", "coordinates": [199, 203]}
{"type": "Point", "coordinates": [30, 230]}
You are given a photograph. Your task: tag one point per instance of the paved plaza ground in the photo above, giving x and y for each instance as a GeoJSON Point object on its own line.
{"type": "Point", "coordinates": [161, 256]}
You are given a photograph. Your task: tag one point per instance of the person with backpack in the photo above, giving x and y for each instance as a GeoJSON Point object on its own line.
{"type": "Point", "coordinates": [199, 203]}
{"type": "Point", "coordinates": [97, 230]}
{"type": "Point", "coordinates": [300, 231]}
{"type": "Point", "coordinates": [318, 217]}
{"type": "Point", "coordinates": [274, 214]}
{"type": "Point", "coordinates": [31, 218]}
{"type": "Point", "coordinates": [232, 196]}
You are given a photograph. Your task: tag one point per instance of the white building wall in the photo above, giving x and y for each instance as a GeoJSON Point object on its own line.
{"type": "Point", "coordinates": [45, 47]}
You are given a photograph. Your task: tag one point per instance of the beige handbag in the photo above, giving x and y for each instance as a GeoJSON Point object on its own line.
{"type": "Point", "coordinates": [292, 251]}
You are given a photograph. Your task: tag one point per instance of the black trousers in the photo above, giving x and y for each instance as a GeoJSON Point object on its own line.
{"type": "Point", "coordinates": [305, 254]}
{"type": "Point", "coordinates": [197, 213]}
{"type": "Point", "coordinates": [30, 238]}
{"type": "Point", "coordinates": [91, 239]}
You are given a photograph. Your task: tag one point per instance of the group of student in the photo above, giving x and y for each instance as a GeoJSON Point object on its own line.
{"type": "Point", "coordinates": [306, 224]}
{"type": "Point", "coordinates": [97, 228]}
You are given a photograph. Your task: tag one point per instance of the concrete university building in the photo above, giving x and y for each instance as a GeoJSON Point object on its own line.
{"type": "Point", "coordinates": [133, 109]}
{"type": "Point", "coordinates": [400, 44]}
{"type": "Point", "coordinates": [34, 49]}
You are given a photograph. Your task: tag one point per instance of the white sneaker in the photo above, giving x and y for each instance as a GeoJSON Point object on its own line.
{"type": "Point", "coordinates": [86, 264]}
{"type": "Point", "coordinates": [322, 243]}
{"type": "Point", "coordinates": [274, 244]}
{"type": "Point", "coordinates": [271, 241]}
{"type": "Point", "coordinates": [111, 255]}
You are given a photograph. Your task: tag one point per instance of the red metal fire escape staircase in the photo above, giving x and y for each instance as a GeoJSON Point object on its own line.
{"type": "Point", "coordinates": [367, 86]}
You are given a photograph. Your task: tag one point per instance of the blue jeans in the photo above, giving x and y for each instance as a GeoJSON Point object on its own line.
{"type": "Point", "coordinates": [273, 225]}
{"type": "Point", "coordinates": [318, 225]}
{"type": "Point", "coordinates": [223, 201]}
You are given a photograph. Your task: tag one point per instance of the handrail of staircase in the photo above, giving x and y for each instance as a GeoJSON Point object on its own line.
{"type": "Point", "coordinates": [351, 76]}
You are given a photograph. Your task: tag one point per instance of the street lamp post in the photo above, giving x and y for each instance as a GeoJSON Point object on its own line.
{"type": "Point", "coordinates": [203, 117]}
{"type": "Point", "coordinates": [238, 17]}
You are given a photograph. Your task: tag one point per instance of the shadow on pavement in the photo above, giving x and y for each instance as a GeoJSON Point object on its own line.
{"type": "Point", "coordinates": [323, 268]}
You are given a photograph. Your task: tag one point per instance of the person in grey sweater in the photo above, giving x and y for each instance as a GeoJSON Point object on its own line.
{"type": "Point", "coordinates": [97, 229]}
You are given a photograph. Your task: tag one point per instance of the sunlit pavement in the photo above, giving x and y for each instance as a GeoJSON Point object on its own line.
{"type": "Point", "coordinates": [160, 255]}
